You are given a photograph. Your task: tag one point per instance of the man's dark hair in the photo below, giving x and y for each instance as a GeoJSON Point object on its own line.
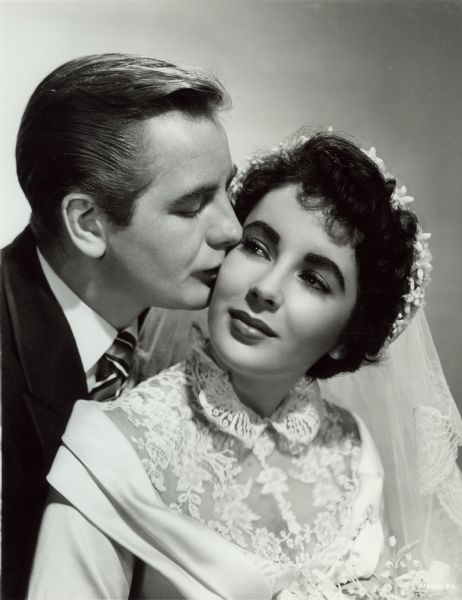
{"type": "Point", "coordinates": [333, 175]}
{"type": "Point", "coordinates": [82, 131]}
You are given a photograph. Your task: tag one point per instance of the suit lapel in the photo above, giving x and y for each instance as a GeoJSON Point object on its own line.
{"type": "Point", "coordinates": [46, 346]}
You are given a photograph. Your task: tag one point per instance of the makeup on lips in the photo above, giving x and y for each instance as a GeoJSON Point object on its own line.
{"type": "Point", "coordinates": [247, 328]}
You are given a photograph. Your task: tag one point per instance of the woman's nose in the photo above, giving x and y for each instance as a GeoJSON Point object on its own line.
{"type": "Point", "coordinates": [267, 294]}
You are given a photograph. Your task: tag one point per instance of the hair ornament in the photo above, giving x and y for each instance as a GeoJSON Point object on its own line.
{"type": "Point", "coordinates": [413, 298]}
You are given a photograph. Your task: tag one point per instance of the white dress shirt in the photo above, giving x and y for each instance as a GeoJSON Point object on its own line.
{"type": "Point", "coordinates": [93, 334]}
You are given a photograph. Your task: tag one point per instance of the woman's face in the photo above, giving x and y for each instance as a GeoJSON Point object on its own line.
{"type": "Point", "coordinates": [285, 293]}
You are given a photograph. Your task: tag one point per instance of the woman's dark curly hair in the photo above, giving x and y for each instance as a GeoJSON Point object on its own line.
{"type": "Point", "coordinates": [335, 176]}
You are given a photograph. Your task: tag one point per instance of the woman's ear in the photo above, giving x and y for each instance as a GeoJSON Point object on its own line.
{"type": "Point", "coordinates": [84, 224]}
{"type": "Point", "coordinates": [338, 352]}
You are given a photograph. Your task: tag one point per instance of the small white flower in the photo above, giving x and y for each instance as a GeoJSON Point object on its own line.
{"type": "Point", "coordinates": [385, 574]}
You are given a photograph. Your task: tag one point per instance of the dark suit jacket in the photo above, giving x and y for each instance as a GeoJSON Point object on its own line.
{"type": "Point", "coordinates": [42, 376]}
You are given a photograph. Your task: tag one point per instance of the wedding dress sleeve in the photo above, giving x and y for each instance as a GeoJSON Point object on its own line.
{"type": "Point", "coordinates": [74, 559]}
{"type": "Point", "coordinates": [369, 544]}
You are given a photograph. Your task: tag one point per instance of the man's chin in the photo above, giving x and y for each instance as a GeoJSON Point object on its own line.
{"type": "Point", "coordinates": [197, 298]}
{"type": "Point", "coordinates": [201, 305]}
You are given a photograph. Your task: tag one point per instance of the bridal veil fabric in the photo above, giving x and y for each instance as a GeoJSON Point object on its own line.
{"type": "Point", "coordinates": [414, 421]}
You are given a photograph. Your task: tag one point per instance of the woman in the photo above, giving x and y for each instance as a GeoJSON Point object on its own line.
{"type": "Point", "coordinates": [229, 475]}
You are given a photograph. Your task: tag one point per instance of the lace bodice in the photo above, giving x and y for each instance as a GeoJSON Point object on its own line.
{"type": "Point", "coordinates": [284, 489]}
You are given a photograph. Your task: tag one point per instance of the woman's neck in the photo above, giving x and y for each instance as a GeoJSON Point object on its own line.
{"type": "Point", "coordinates": [262, 394]}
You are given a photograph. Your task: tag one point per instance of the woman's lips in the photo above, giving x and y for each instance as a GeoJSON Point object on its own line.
{"type": "Point", "coordinates": [248, 326]}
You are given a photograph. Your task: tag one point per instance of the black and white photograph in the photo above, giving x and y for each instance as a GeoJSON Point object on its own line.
{"type": "Point", "coordinates": [231, 279]}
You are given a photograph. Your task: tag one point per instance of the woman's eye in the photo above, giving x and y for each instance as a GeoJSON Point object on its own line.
{"type": "Point", "coordinates": [312, 280]}
{"type": "Point", "coordinates": [255, 247]}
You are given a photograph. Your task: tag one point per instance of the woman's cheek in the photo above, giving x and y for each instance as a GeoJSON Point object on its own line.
{"type": "Point", "coordinates": [234, 276]}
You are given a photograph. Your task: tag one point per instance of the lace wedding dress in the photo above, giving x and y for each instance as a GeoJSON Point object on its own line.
{"type": "Point", "coordinates": [216, 500]}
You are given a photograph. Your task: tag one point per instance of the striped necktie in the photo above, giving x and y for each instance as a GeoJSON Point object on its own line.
{"type": "Point", "coordinates": [114, 368]}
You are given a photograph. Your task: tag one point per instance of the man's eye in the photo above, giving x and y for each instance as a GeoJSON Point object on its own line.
{"type": "Point", "coordinates": [190, 213]}
{"type": "Point", "coordinates": [193, 205]}
{"type": "Point", "coordinates": [255, 247]}
{"type": "Point", "coordinates": [192, 209]}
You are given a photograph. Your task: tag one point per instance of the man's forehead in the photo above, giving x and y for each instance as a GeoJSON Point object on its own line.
{"type": "Point", "coordinates": [182, 154]}
{"type": "Point", "coordinates": [176, 130]}
{"type": "Point", "coordinates": [175, 143]}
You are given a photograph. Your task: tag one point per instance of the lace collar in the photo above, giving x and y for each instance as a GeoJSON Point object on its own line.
{"type": "Point", "coordinates": [295, 422]}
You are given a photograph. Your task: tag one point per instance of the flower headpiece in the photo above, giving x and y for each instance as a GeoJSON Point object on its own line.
{"type": "Point", "coordinates": [421, 267]}
{"type": "Point", "coordinates": [419, 277]}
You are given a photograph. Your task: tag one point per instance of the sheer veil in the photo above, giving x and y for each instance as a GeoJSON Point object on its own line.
{"type": "Point", "coordinates": [411, 414]}
{"type": "Point", "coordinates": [414, 421]}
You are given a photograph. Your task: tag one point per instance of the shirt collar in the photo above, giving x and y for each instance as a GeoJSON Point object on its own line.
{"type": "Point", "coordinates": [294, 424]}
{"type": "Point", "coordinates": [93, 335]}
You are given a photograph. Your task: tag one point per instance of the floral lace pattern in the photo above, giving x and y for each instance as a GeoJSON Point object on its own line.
{"type": "Point", "coordinates": [282, 488]}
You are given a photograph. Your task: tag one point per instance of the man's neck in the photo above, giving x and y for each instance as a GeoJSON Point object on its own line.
{"type": "Point", "coordinates": [86, 280]}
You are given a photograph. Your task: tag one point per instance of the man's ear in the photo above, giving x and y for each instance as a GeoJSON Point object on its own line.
{"type": "Point", "coordinates": [338, 352]}
{"type": "Point", "coordinates": [84, 224]}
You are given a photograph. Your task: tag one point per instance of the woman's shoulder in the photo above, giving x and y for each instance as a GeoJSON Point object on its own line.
{"type": "Point", "coordinates": [345, 430]}
{"type": "Point", "coordinates": [160, 404]}
{"type": "Point", "coordinates": [169, 388]}
{"type": "Point", "coordinates": [339, 424]}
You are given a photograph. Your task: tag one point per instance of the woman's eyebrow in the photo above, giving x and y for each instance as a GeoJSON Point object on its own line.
{"type": "Point", "coordinates": [268, 230]}
{"type": "Point", "coordinates": [322, 262]}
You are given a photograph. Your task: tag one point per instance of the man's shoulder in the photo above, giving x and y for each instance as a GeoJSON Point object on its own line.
{"type": "Point", "coordinates": [21, 247]}
{"type": "Point", "coordinates": [20, 266]}
{"type": "Point", "coordinates": [26, 295]}
{"type": "Point", "coordinates": [36, 335]}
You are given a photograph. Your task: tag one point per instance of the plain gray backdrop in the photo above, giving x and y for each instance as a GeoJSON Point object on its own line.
{"type": "Point", "coordinates": [388, 73]}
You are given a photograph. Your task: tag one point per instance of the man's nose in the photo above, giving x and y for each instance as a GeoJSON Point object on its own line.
{"type": "Point", "coordinates": [225, 231]}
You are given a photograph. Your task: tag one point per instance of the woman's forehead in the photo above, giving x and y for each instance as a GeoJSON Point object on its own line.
{"type": "Point", "coordinates": [283, 200]}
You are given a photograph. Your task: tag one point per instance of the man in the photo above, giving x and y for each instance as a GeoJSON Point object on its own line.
{"type": "Point", "coordinates": [126, 169]}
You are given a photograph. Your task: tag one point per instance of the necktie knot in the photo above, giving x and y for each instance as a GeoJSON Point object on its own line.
{"type": "Point", "coordinates": [114, 367]}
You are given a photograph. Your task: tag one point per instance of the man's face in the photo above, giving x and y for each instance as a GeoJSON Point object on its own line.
{"type": "Point", "coordinates": [182, 223]}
